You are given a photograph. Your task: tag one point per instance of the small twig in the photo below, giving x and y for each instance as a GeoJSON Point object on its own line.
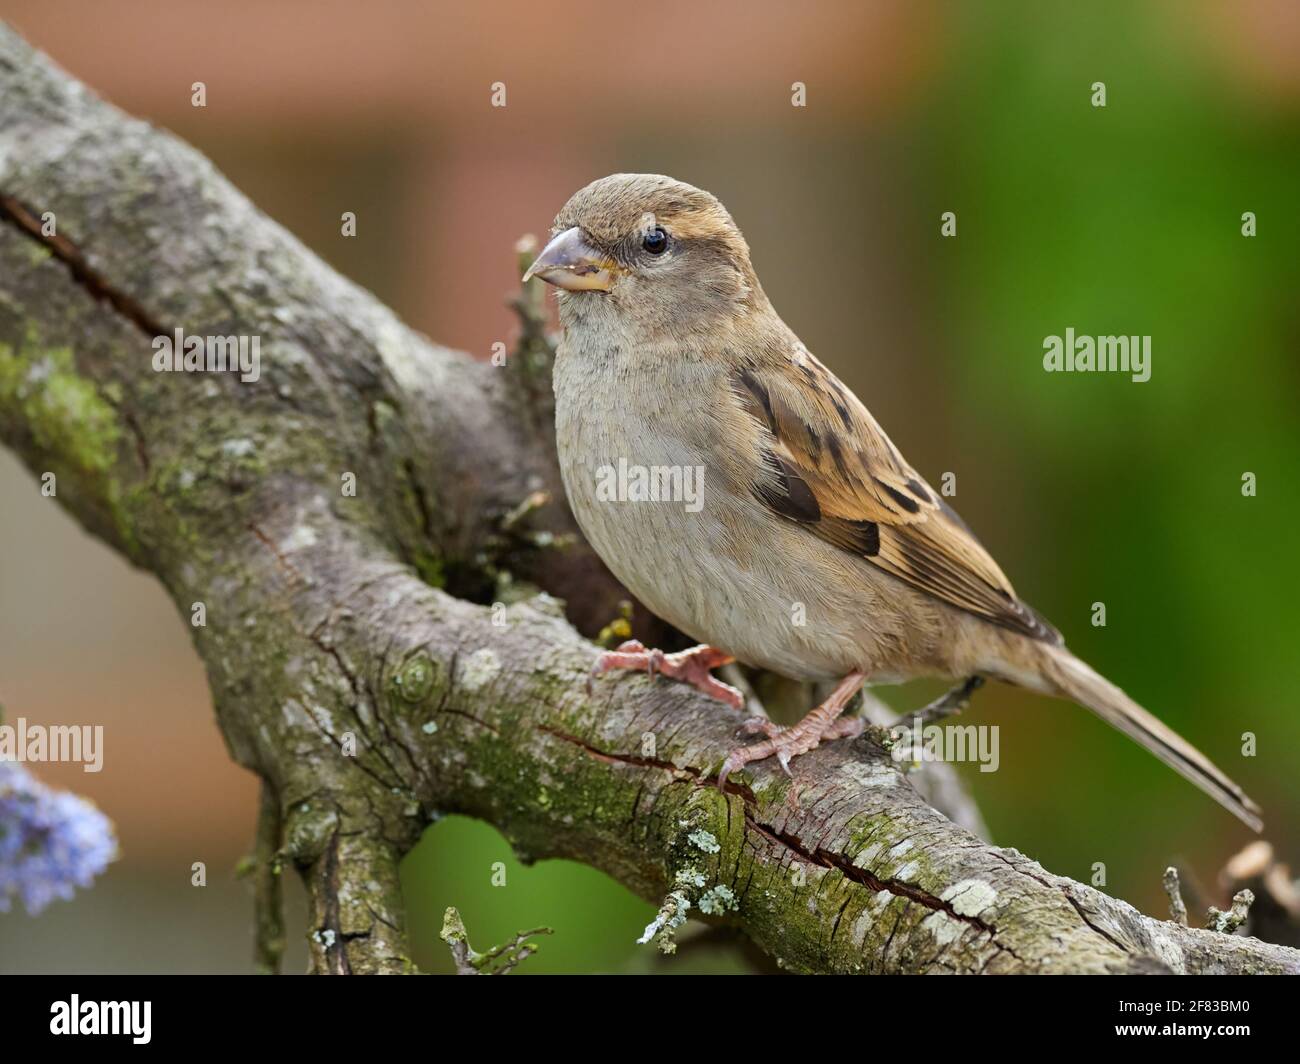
{"type": "Point", "coordinates": [1177, 910]}
{"type": "Point", "coordinates": [671, 916]}
{"type": "Point", "coordinates": [948, 704]}
{"type": "Point", "coordinates": [532, 502]}
{"type": "Point", "coordinates": [509, 537]}
{"type": "Point", "coordinates": [536, 348]}
{"type": "Point", "coordinates": [500, 960]}
{"type": "Point", "coordinates": [268, 897]}
{"type": "Point", "coordinates": [454, 934]}
{"type": "Point", "coordinates": [735, 675]}
{"type": "Point", "coordinates": [1275, 916]}
{"type": "Point", "coordinates": [1227, 923]}
{"type": "Point", "coordinates": [514, 951]}
{"type": "Point", "coordinates": [530, 302]}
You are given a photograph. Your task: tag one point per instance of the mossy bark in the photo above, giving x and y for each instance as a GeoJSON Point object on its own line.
{"type": "Point", "coordinates": [348, 668]}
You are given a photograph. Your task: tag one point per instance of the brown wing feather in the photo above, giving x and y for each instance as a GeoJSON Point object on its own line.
{"type": "Point", "coordinates": [830, 467]}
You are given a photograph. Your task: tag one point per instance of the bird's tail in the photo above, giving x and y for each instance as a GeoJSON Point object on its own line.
{"type": "Point", "coordinates": [1066, 676]}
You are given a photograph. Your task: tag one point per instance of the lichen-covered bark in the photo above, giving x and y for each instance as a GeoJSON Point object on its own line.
{"type": "Point", "coordinates": [350, 667]}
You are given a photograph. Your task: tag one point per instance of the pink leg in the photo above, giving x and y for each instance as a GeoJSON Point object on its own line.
{"type": "Point", "coordinates": [690, 666]}
{"type": "Point", "coordinates": [821, 724]}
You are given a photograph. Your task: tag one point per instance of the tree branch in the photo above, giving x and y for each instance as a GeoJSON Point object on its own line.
{"type": "Point", "coordinates": [354, 660]}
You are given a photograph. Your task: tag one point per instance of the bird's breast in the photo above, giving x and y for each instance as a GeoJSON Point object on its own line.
{"type": "Point", "coordinates": [645, 466]}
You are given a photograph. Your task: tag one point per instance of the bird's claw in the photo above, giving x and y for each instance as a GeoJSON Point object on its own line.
{"type": "Point", "coordinates": [785, 744]}
{"type": "Point", "coordinates": [690, 666]}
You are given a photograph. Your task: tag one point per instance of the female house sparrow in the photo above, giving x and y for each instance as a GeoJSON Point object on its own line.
{"type": "Point", "coordinates": [747, 497]}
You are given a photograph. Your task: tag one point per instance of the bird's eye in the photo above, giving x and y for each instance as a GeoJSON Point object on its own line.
{"type": "Point", "coordinates": [655, 241]}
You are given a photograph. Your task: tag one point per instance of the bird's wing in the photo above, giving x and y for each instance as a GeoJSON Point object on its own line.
{"type": "Point", "coordinates": [828, 466]}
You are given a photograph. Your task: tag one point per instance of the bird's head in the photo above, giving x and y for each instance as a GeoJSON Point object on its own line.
{"type": "Point", "coordinates": [654, 251]}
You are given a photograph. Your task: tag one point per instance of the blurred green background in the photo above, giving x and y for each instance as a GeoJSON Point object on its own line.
{"type": "Point", "coordinates": [1088, 488]}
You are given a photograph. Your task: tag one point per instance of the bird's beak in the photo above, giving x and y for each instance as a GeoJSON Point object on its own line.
{"type": "Point", "coordinates": [569, 262]}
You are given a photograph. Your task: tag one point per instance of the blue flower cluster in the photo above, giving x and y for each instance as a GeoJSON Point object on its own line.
{"type": "Point", "coordinates": [50, 841]}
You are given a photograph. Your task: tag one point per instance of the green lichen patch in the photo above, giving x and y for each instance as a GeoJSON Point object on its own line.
{"type": "Point", "coordinates": [430, 568]}
{"type": "Point", "coordinates": [415, 679]}
{"type": "Point", "coordinates": [66, 415]}
{"type": "Point", "coordinates": [719, 900]}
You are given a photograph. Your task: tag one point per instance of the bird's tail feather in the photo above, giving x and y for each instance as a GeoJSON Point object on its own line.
{"type": "Point", "coordinates": [1070, 678]}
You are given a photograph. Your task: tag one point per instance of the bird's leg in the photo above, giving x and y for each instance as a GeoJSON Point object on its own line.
{"type": "Point", "coordinates": [690, 666]}
{"type": "Point", "coordinates": [945, 705]}
{"type": "Point", "coordinates": [821, 724]}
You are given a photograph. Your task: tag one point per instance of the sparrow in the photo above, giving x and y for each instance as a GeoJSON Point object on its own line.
{"type": "Point", "coordinates": [747, 497]}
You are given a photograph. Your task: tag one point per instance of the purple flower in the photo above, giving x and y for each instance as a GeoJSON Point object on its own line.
{"type": "Point", "coordinates": [50, 841]}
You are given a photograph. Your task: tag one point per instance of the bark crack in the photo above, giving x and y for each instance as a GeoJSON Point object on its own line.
{"type": "Point", "coordinates": [792, 844]}
{"type": "Point", "coordinates": [28, 222]}
{"type": "Point", "coordinates": [335, 949]}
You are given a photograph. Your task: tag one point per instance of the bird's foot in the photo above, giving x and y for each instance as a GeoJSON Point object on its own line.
{"type": "Point", "coordinates": [690, 666]}
{"type": "Point", "coordinates": [821, 725]}
{"type": "Point", "coordinates": [946, 705]}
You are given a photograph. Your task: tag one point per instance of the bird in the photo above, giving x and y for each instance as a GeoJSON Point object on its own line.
{"type": "Point", "coordinates": [746, 496]}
